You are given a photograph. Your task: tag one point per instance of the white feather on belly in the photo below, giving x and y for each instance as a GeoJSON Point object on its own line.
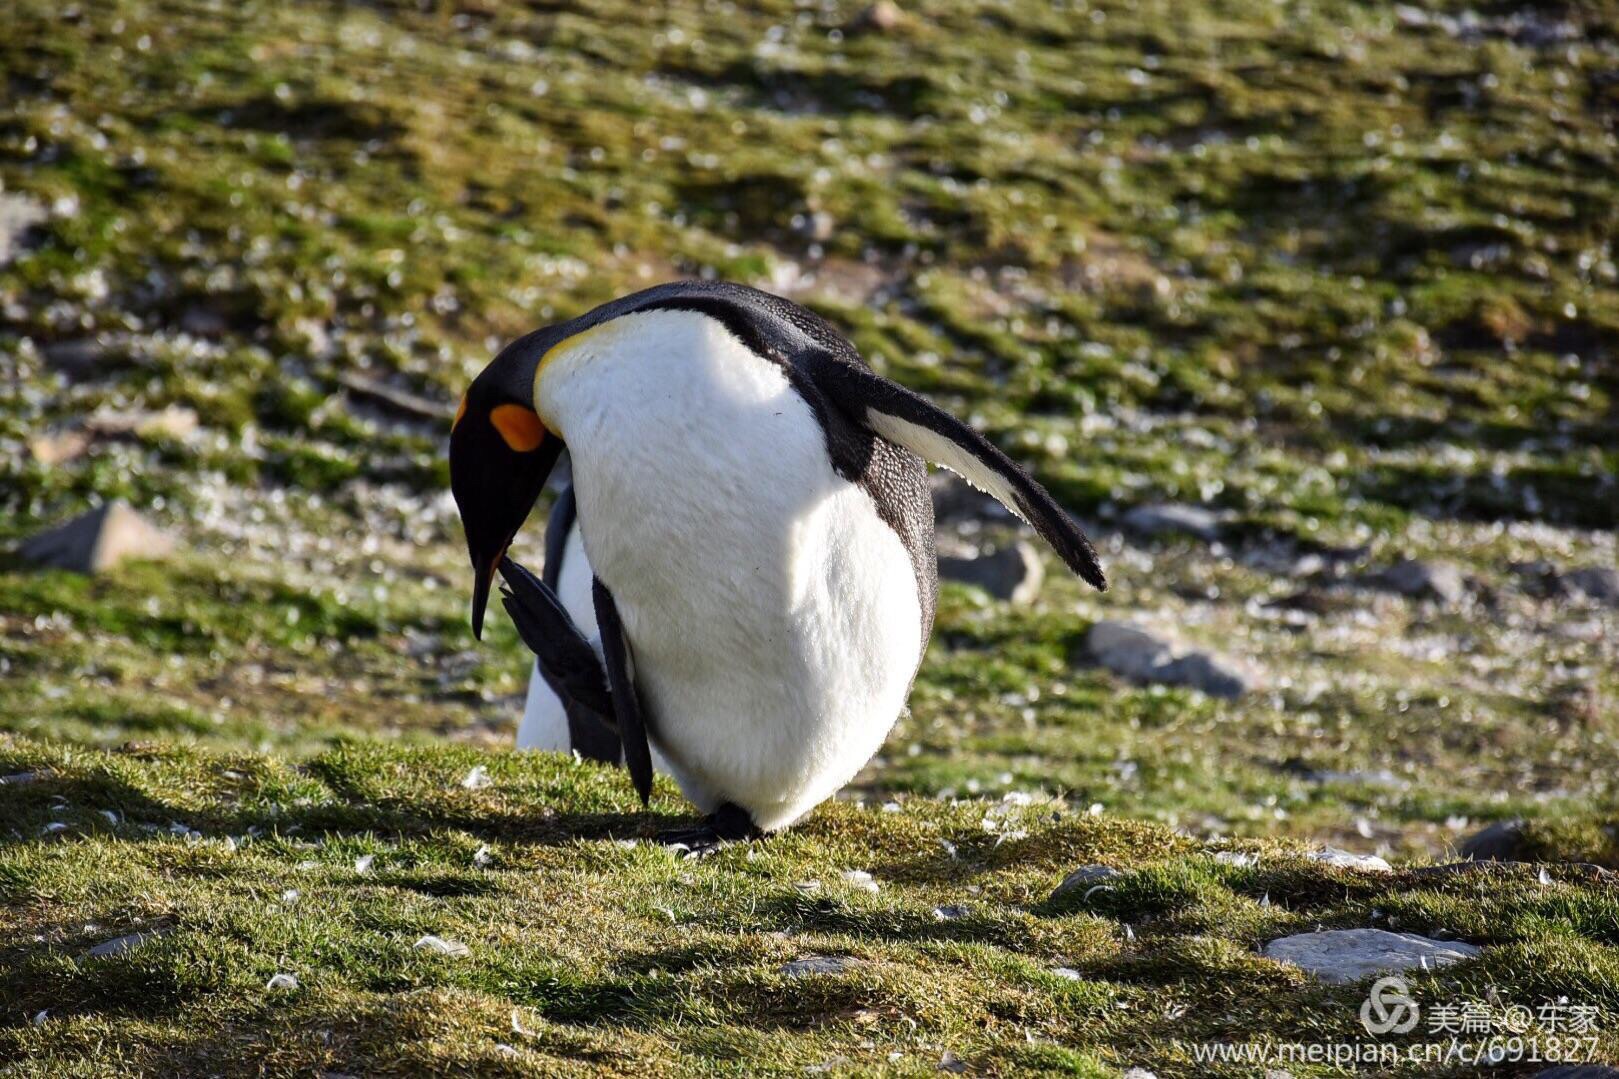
{"type": "Point", "coordinates": [772, 615]}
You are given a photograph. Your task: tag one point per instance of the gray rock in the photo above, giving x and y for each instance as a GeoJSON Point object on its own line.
{"type": "Point", "coordinates": [1143, 656]}
{"type": "Point", "coordinates": [18, 216]}
{"type": "Point", "coordinates": [1083, 880]}
{"type": "Point", "coordinates": [57, 447]}
{"type": "Point", "coordinates": [75, 357]}
{"type": "Point", "coordinates": [1164, 518]}
{"type": "Point", "coordinates": [97, 541]}
{"type": "Point", "coordinates": [1291, 559]}
{"type": "Point", "coordinates": [1578, 1071]}
{"type": "Point", "coordinates": [1342, 956]}
{"type": "Point", "coordinates": [951, 913]}
{"type": "Point", "coordinates": [1544, 580]}
{"type": "Point", "coordinates": [1600, 583]}
{"type": "Point", "coordinates": [201, 321]}
{"type": "Point", "coordinates": [1011, 573]}
{"type": "Point", "coordinates": [820, 964]}
{"type": "Point", "coordinates": [1381, 777]}
{"type": "Point", "coordinates": [954, 499]}
{"type": "Point", "coordinates": [120, 945]}
{"type": "Point", "coordinates": [1440, 581]}
{"type": "Point", "coordinates": [1207, 672]}
{"type": "Point", "coordinates": [172, 421]}
{"type": "Point", "coordinates": [1283, 559]}
{"type": "Point", "coordinates": [1540, 578]}
{"type": "Point", "coordinates": [1498, 842]}
{"type": "Point", "coordinates": [1128, 650]}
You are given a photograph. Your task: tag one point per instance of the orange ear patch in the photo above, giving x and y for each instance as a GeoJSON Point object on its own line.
{"type": "Point", "coordinates": [519, 426]}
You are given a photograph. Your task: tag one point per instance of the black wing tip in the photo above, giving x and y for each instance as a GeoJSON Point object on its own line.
{"type": "Point", "coordinates": [1062, 532]}
{"type": "Point", "coordinates": [510, 569]}
{"type": "Point", "coordinates": [1084, 563]}
{"type": "Point", "coordinates": [519, 584]}
{"type": "Point", "coordinates": [528, 631]}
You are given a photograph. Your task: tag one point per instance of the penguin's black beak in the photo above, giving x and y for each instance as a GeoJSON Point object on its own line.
{"type": "Point", "coordinates": [500, 456]}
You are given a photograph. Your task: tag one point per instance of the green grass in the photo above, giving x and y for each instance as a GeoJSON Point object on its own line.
{"type": "Point", "coordinates": [1373, 238]}
{"type": "Point", "coordinates": [1344, 272]}
{"type": "Point", "coordinates": [611, 954]}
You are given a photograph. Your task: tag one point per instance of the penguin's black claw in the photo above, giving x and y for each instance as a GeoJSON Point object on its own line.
{"type": "Point", "coordinates": [727, 824]}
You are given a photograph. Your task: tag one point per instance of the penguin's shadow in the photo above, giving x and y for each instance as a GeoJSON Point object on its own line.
{"type": "Point", "coordinates": [143, 815]}
{"type": "Point", "coordinates": [407, 816]}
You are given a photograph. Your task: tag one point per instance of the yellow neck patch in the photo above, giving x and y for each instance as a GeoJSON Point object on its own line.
{"type": "Point", "coordinates": [568, 344]}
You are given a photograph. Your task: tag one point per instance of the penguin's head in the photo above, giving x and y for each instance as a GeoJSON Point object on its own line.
{"type": "Point", "coordinates": [500, 456]}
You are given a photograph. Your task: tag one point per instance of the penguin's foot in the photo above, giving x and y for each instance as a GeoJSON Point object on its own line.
{"type": "Point", "coordinates": [727, 824]}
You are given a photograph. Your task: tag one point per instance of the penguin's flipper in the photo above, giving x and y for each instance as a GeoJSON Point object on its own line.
{"type": "Point", "coordinates": [557, 527]}
{"type": "Point", "coordinates": [590, 733]}
{"type": "Point", "coordinates": [570, 666]}
{"type": "Point", "coordinates": [910, 420]}
{"type": "Point", "coordinates": [621, 682]}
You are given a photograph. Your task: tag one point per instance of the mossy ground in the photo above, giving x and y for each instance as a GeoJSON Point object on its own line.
{"type": "Point", "coordinates": [1344, 272]}
{"type": "Point", "coordinates": [589, 950]}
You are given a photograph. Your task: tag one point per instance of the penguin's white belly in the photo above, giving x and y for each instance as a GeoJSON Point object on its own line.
{"type": "Point", "coordinates": [772, 617]}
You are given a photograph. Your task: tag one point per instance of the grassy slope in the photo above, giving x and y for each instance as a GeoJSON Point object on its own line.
{"type": "Point", "coordinates": [1342, 271]}
{"type": "Point", "coordinates": [615, 955]}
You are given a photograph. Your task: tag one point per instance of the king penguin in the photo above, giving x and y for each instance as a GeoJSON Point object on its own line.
{"type": "Point", "coordinates": [750, 517]}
